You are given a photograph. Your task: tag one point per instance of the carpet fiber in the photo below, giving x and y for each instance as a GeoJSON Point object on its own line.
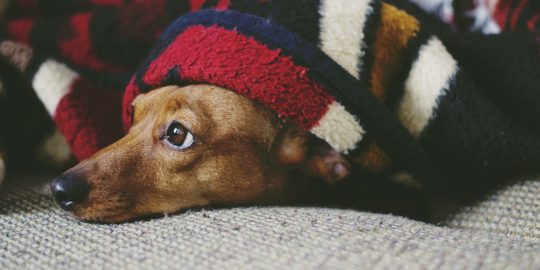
{"type": "Point", "coordinates": [35, 234]}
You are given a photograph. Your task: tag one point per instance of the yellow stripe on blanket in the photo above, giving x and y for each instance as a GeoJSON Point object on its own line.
{"type": "Point", "coordinates": [397, 28]}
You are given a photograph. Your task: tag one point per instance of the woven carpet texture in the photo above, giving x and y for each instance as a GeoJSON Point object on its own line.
{"type": "Point", "coordinates": [500, 232]}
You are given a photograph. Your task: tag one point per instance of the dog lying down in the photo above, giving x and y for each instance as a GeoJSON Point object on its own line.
{"type": "Point", "coordinates": [187, 149]}
{"type": "Point", "coordinates": [232, 108]}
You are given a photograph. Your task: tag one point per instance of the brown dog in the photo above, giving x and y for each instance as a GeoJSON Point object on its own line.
{"type": "Point", "coordinates": [187, 148]}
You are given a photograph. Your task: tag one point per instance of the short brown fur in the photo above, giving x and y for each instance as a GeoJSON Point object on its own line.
{"type": "Point", "coordinates": [231, 162]}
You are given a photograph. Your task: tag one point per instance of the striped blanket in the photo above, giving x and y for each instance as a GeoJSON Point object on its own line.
{"type": "Point", "coordinates": [393, 85]}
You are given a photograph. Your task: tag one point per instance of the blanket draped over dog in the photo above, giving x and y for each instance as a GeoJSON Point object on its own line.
{"type": "Point", "coordinates": [365, 75]}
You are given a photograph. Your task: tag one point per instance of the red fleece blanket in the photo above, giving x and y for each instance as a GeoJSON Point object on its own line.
{"type": "Point", "coordinates": [79, 55]}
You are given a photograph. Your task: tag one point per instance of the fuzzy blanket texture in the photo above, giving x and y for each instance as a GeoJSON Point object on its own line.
{"type": "Point", "coordinates": [357, 89]}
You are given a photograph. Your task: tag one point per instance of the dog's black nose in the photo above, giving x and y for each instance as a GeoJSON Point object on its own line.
{"type": "Point", "coordinates": [68, 190]}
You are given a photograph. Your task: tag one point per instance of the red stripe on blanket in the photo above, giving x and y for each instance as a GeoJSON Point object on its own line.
{"type": "Point", "coordinates": [132, 91]}
{"type": "Point", "coordinates": [533, 23]}
{"type": "Point", "coordinates": [19, 30]}
{"type": "Point", "coordinates": [502, 13]}
{"type": "Point", "coordinates": [78, 48]}
{"type": "Point", "coordinates": [225, 58]}
{"type": "Point", "coordinates": [196, 4]}
{"type": "Point", "coordinates": [88, 123]}
{"type": "Point", "coordinates": [25, 6]}
{"type": "Point", "coordinates": [223, 5]}
{"type": "Point", "coordinates": [516, 13]}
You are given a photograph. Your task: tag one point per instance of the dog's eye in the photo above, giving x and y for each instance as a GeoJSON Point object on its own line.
{"type": "Point", "coordinates": [178, 137]}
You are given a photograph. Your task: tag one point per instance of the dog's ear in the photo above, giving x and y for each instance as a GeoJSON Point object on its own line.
{"type": "Point", "coordinates": [313, 156]}
{"type": "Point", "coordinates": [137, 99]}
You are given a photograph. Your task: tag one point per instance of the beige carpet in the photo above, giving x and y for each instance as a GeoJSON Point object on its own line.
{"type": "Point", "coordinates": [35, 234]}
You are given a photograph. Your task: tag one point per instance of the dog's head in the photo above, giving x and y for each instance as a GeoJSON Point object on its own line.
{"type": "Point", "coordinates": [196, 146]}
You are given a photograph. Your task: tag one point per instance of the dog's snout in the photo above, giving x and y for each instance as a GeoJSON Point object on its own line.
{"type": "Point", "coordinates": [69, 190]}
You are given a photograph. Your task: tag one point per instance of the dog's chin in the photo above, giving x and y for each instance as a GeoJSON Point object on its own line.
{"type": "Point", "coordinates": [115, 218]}
{"type": "Point", "coordinates": [104, 218]}
{"type": "Point", "coordinates": [107, 214]}
{"type": "Point", "coordinates": [115, 209]}
{"type": "Point", "coordinates": [90, 215]}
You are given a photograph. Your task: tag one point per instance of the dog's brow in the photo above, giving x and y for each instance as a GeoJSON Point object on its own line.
{"type": "Point", "coordinates": [186, 109]}
{"type": "Point", "coordinates": [175, 105]}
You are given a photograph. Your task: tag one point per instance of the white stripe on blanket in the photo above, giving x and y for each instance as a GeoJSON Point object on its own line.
{"type": "Point", "coordinates": [428, 80]}
{"type": "Point", "coordinates": [51, 82]}
{"type": "Point", "coordinates": [342, 31]}
{"type": "Point", "coordinates": [339, 128]}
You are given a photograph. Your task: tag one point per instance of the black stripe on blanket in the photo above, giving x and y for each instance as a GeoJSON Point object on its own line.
{"type": "Point", "coordinates": [175, 8]}
{"type": "Point", "coordinates": [300, 17]}
{"type": "Point", "coordinates": [47, 29]}
{"type": "Point", "coordinates": [478, 137]}
{"type": "Point", "coordinates": [112, 45]}
{"type": "Point", "coordinates": [209, 4]}
{"type": "Point", "coordinates": [371, 27]}
{"type": "Point", "coordinates": [34, 64]}
{"type": "Point", "coordinates": [62, 7]}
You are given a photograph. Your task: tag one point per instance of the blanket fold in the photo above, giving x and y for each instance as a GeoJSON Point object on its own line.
{"type": "Point", "coordinates": [370, 77]}
{"type": "Point", "coordinates": [233, 50]}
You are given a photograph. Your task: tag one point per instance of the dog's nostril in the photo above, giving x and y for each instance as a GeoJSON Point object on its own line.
{"type": "Point", "coordinates": [69, 190]}
{"type": "Point", "coordinates": [63, 200]}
